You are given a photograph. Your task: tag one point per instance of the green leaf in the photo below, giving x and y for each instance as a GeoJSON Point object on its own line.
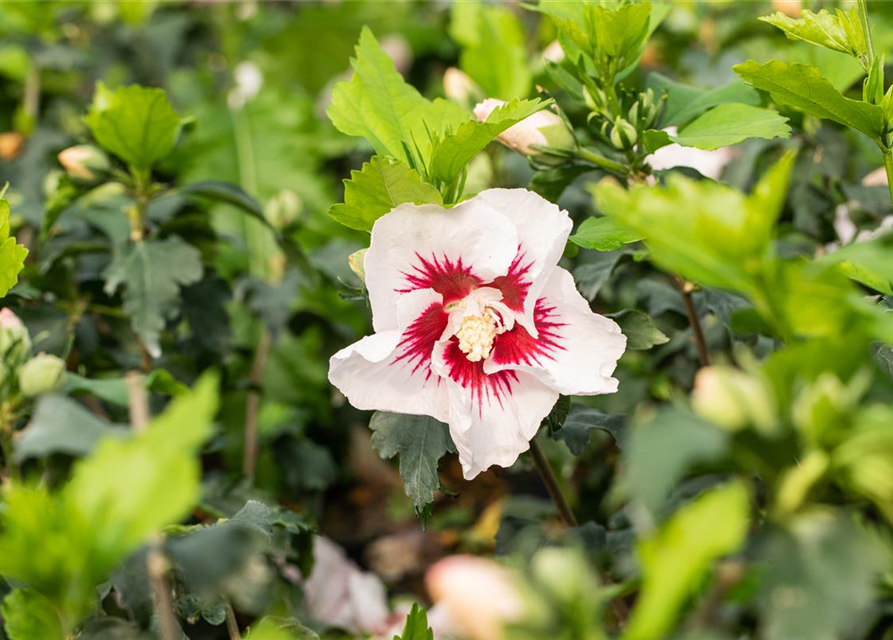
{"type": "Point", "coordinates": [227, 193]}
{"type": "Point", "coordinates": [582, 421]}
{"type": "Point", "coordinates": [493, 50]}
{"type": "Point", "coordinates": [676, 558]}
{"type": "Point", "coordinates": [603, 234]}
{"type": "Point", "coordinates": [421, 442]}
{"type": "Point", "coordinates": [841, 32]}
{"type": "Point", "coordinates": [686, 102]}
{"type": "Point", "coordinates": [593, 274]}
{"type": "Point", "coordinates": [12, 255]}
{"type": "Point", "coordinates": [416, 626]}
{"type": "Point", "coordinates": [275, 628]}
{"type": "Point", "coordinates": [639, 329]}
{"type": "Point", "coordinates": [802, 86]}
{"type": "Point", "coordinates": [135, 123]}
{"type": "Point", "coordinates": [377, 104]}
{"type": "Point", "coordinates": [660, 451]}
{"type": "Point", "coordinates": [60, 425]}
{"type": "Point", "coordinates": [27, 615]}
{"type": "Point", "coordinates": [870, 263]}
{"type": "Point", "coordinates": [378, 187]}
{"type": "Point", "coordinates": [152, 273]}
{"type": "Point", "coordinates": [831, 563]}
{"type": "Point", "coordinates": [451, 154]}
{"type": "Point", "coordinates": [732, 123]}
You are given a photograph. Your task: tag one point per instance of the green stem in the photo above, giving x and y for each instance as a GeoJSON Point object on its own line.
{"type": "Point", "coordinates": [888, 167]}
{"type": "Point", "coordinates": [603, 163]}
{"type": "Point", "coordinates": [866, 29]}
{"type": "Point", "coordinates": [544, 469]}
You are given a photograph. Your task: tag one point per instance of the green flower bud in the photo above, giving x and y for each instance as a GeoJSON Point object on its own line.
{"type": "Point", "coordinates": [15, 343]}
{"type": "Point", "coordinates": [41, 374]}
{"type": "Point", "coordinates": [733, 399]}
{"type": "Point", "coordinates": [283, 209]}
{"type": "Point", "coordinates": [84, 162]}
{"type": "Point", "coordinates": [623, 135]}
{"type": "Point", "coordinates": [565, 574]}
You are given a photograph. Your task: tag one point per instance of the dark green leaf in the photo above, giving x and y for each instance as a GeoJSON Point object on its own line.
{"type": "Point", "coordinates": [639, 330]}
{"type": "Point", "coordinates": [730, 124]}
{"type": "Point", "coordinates": [580, 423]}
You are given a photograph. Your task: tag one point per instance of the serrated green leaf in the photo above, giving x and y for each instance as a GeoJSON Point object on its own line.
{"type": "Point", "coordinates": [582, 421]}
{"type": "Point", "coordinates": [152, 273]}
{"type": "Point", "coordinates": [137, 124]}
{"type": "Point", "coordinates": [381, 185]}
{"type": "Point", "coordinates": [841, 32]}
{"type": "Point", "coordinates": [686, 102]}
{"type": "Point", "coordinates": [493, 50]}
{"type": "Point", "coordinates": [451, 154]}
{"type": "Point", "coordinates": [421, 442]}
{"type": "Point", "coordinates": [802, 86]}
{"type": "Point", "coordinates": [12, 255]}
{"type": "Point", "coordinates": [27, 615]}
{"type": "Point", "coordinates": [416, 626]}
{"type": "Point", "coordinates": [676, 558]}
{"type": "Point", "coordinates": [870, 263]}
{"type": "Point", "coordinates": [379, 105]}
{"type": "Point", "coordinates": [731, 123]}
{"type": "Point", "coordinates": [603, 234]}
{"type": "Point", "coordinates": [639, 330]}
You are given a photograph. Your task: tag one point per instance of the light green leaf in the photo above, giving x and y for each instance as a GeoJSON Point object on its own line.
{"type": "Point", "coordinates": [451, 154]}
{"type": "Point", "coordinates": [639, 329]}
{"type": "Point", "coordinates": [603, 234]}
{"type": "Point", "coordinates": [676, 558]}
{"type": "Point", "coordinates": [12, 255]}
{"type": "Point", "coordinates": [152, 273]}
{"type": "Point", "coordinates": [135, 123]}
{"type": "Point", "coordinates": [416, 626]}
{"type": "Point", "coordinates": [802, 86]}
{"type": "Point", "coordinates": [731, 123]}
{"type": "Point", "coordinates": [870, 263]}
{"type": "Point", "coordinates": [493, 51]}
{"type": "Point", "coordinates": [60, 425]}
{"type": "Point", "coordinates": [421, 442]}
{"type": "Point", "coordinates": [685, 102]}
{"type": "Point", "coordinates": [841, 32]}
{"type": "Point", "coordinates": [27, 615]}
{"type": "Point", "coordinates": [380, 185]}
{"type": "Point", "coordinates": [274, 628]}
{"type": "Point", "coordinates": [377, 104]}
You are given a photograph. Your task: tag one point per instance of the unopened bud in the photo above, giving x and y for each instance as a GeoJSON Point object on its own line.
{"type": "Point", "coordinates": [357, 263]}
{"type": "Point", "coordinates": [41, 374]}
{"type": "Point", "coordinates": [15, 343]}
{"type": "Point", "coordinates": [283, 209]}
{"type": "Point", "coordinates": [623, 135]}
{"type": "Point", "coordinates": [458, 87]}
{"type": "Point", "coordinates": [595, 99]}
{"type": "Point", "coordinates": [11, 144]}
{"type": "Point", "coordinates": [733, 399]}
{"type": "Point", "coordinates": [544, 128]}
{"type": "Point", "coordinates": [84, 162]}
{"type": "Point", "coordinates": [791, 8]}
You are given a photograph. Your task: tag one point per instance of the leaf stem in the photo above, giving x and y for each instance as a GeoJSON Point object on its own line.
{"type": "Point", "coordinates": [138, 401]}
{"type": "Point", "coordinates": [602, 162]}
{"type": "Point", "coordinates": [866, 29]}
{"type": "Point", "coordinates": [252, 405]}
{"type": "Point", "coordinates": [888, 167]}
{"type": "Point", "coordinates": [684, 289]}
{"type": "Point", "coordinates": [232, 626]}
{"type": "Point", "coordinates": [544, 469]}
{"type": "Point", "coordinates": [157, 567]}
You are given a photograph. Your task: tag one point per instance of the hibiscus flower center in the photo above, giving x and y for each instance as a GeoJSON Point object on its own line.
{"type": "Point", "coordinates": [477, 319]}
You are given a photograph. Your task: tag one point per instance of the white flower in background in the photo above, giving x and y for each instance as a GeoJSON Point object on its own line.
{"type": "Point", "coordinates": [248, 80]}
{"type": "Point", "coordinates": [458, 86]}
{"type": "Point", "coordinates": [708, 163]}
{"type": "Point", "coordinates": [554, 52]}
{"type": "Point", "coordinates": [543, 128]}
{"type": "Point", "coordinates": [475, 324]}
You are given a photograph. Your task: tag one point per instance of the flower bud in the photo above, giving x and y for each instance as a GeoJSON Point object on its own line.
{"type": "Point", "coordinates": [356, 262]}
{"type": "Point", "coordinates": [623, 135]}
{"type": "Point", "coordinates": [41, 374]}
{"type": "Point", "coordinates": [544, 128]}
{"type": "Point", "coordinates": [15, 343]}
{"type": "Point", "coordinates": [791, 8]}
{"type": "Point", "coordinates": [595, 101]}
{"type": "Point", "coordinates": [733, 399]}
{"type": "Point", "coordinates": [84, 162]}
{"type": "Point", "coordinates": [283, 209]}
{"type": "Point", "coordinates": [565, 574]}
{"type": "Point", "coordinates": [458, 87]}
{"type": "Point", "coordinates": [479, 593]}
{"type": "Point", "coordinates": [11, 144]}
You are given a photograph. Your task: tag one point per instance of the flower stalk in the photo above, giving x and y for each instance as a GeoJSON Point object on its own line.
{"type": "Point", "coordinates": [547, 475]}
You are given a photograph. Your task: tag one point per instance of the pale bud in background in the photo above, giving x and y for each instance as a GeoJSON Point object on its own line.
{"type": "Point", "coordinates": [283, 209]}
{"type": "Point", "coordinates": [399, 51]}
{"type": "Point", "coordinates": [479, 593]}
{"type": "Point", "coordinates": [554, 52]}
{"type": "Point", "coordinates": [15, 343]}
{"type": "Point", "coordinates": [458, 87]}
{"type": "Point", "coordinates": [733, 399]}
{"type": "Point", "coordinates": [791, 8]}
{"type": "Point", "coordinates": [708, 163]}
{"type": "Point", "coordinates": [84, 162]}
{"type": "Point", "coordinates": [542, 128]}
{"type": "Point", "coordinates": [41, 374]}
{"type": "Point", "coordinates": [11, 144]}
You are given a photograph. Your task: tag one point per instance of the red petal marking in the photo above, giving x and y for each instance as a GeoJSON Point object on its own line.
{"type": "Point", "coordinates": [418, 339]}
{"type": "Point", "coordinates": [470, 375]}
{"type": "Point", "coordinates": [519, 347]}
{"type": "Point", "coordinates": [452, 280]}
{"type": "Point", "coordinates": [515, 284]}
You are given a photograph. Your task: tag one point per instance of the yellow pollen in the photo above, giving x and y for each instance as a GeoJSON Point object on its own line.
{"type": "Point", "coordinates": [476, 335]}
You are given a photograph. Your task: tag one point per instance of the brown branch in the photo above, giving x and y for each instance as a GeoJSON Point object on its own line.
{"type": "Point", "coordinates": [138, 400]}
{"type": "Point", "coordinates": [685, 289]}
{"type": "Point", "coordinates": [232, 627]}
{"type": "Point", "coordinates": [544, 469]}
{"type": "Point", "coordinates": [157, 567]}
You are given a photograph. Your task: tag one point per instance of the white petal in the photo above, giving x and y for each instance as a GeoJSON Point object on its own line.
{"type": "Point", "coordinates": [376, 374]}
{"type": "Point", "coordinates": [543, 229]}
{"type": "Point", "coordinates": [421, 246]}
{"type": "Point", "coordinates": [587, 345]}
{"type": "Point", "coordinates": [494, 423]}
{"type": "Point", "coordinates": [707, 163]}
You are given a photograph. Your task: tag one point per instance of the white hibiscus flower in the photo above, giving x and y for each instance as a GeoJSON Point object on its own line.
{"type": "Point", "coordinates": [475, 324]}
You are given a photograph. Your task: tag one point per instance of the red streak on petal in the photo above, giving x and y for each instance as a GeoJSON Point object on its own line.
{"type": "Point", "coordinates": [452, 280]}
{"type": "Point", "coordinates": [515, 284]}
{"type": "Point", "coordinates": [519, 347]}
{"type": "Point", "coordinates": [470, 375]}
{"type": "Point", "coordinates": [418, 339]}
